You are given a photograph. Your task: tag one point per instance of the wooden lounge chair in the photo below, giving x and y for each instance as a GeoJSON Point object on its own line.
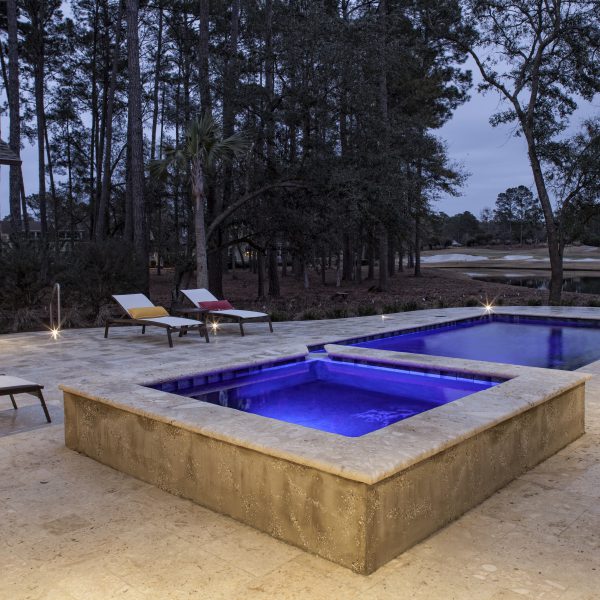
{"type": "Point", "coordinates": [9, 386]}
{"type": "Point", "coordinates": [140, 311]}
{"type": "Point", "coordinates": [202, 299]}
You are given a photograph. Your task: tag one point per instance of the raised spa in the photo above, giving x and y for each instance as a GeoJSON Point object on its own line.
{"type": "Point", "coordinates": [338, 397]}
{"type": "Point", "coordinates": [566, 344]}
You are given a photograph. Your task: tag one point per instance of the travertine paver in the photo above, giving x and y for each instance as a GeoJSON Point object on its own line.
{"type": "Point", "coordinates": [73, 528]}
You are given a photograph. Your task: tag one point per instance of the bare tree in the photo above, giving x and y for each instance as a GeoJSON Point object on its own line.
{"type": "Point", "coordinates": [548, 56]}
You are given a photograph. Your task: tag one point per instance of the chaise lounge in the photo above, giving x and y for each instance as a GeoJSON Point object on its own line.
{"type": "Point", "coordinates": [10, 386]}
{"type": "Point", "coordinates": [139, 310]}
{"type": "Point", "coordinates": [207, 304]}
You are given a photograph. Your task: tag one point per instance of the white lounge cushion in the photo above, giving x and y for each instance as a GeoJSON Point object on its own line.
{"type": "Point", "coordinates": [198, 295]}
{"type": "Point", "coordinates": [173, 321]}
{"type": "Point", "coordinates": [240, 314]}
{"type": "Point", "coordinates": [128, 301]}
{"type": "Point", "coordinates": [7, 382]}
{"type": "Point", "coordinates": [203, 295]}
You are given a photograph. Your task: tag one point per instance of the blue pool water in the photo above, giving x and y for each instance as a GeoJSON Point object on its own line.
{"type": "Point", "coordinates": [344, 398]}
{"type": "Point", "coordinates": [520, 341]}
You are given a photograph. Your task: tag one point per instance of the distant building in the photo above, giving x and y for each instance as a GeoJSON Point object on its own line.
{"type": "Point", "coordinates": [7, 156]}
{"type": "Point", "coordinates": [35, 233]}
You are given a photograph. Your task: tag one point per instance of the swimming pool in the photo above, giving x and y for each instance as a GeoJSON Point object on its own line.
{"type": "Point", "coordinates": [343, 398]}
{"type": "Point", "coordinates": [550, 343]}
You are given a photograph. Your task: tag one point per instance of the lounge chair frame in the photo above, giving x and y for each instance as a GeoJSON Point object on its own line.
{"type": "Point", "coordinates": [218, 315]}
{"type": "Point", "coordinates": [21, 386]}
{"type": "Point", "coordinates": [143, 323]}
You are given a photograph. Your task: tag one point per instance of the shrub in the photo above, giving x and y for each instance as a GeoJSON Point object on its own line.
{"type": "Point", "coordinates": [100, 269]}
{"type": "Point", "coordinates": [534, 302]}
{"type": "Point", "coordinates": [336, 313]}
{"type": "Point", "coordinates": [366, 310]}
{"type": "Point", "coordinates": [391, 308]}
{"type": "Point", "coordinates": [277, 316]}
{"type": "Point", "coordinates": [410, 306]}
{"type": "Point", "coordinates": [472, 302]}
{"type": "Point", "coordinates": [24, 278]}
{"type": "Point", "coordinates": [309, 315]}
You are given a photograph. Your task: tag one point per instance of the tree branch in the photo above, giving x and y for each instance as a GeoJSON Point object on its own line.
{"type": "Point", "coordinates": [246, 198]}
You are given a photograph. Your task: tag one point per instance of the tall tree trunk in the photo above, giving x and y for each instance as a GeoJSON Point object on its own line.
{"type": "Point", "coordinates": [203, 66]}
{"type": "Point", "coordinates": [37, 20]}
{"type": "Point", "coordinates": [70, 189]}
{"type": "Point", "coordinates": [14, 139]}
{"type": "Point", "coordinates": [391, 259]}
{"type": "Point", "coordinates": [136, 140]}
{"type": "Point", "coordinates": [52, 190]}
{"type": "Point", "coordinates": [370, 258]}
{"type": "Point", "coordinates": [199, 192]}
{"type": "Point", "coordinates": [106, 74]}
{"type": "Point", "coordinates": [383, 105]}
{"type": "Point", "coordinates": [383, 259]}
{"type": "Point", "coordinates": [94, 118]}
{"type": "Point", "coordinates": [157, 73]}
{"type": "Point", "coordinates": [554, 246]}
{"type": "Point", "coordinates": [347, 264]}
{"type": "Point", "coordinates": [101, 223]}
{"type": "Point", "coordinates": [260, 270]}
{"type": "Point", "coordinates": [418, 238]}
{"type": "Point", "coordinates": [274, 290]}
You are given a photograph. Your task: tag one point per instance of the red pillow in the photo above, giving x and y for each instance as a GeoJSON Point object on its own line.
{"type": "Point", "coordinates": [215, 305]}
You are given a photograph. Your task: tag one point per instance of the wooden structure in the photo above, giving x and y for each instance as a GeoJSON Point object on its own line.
{"type": "Point", "coordinates": [7, 156]}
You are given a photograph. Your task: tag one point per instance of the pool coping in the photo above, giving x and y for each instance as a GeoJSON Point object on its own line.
{"type": "Point", "coordinates": [370, 458]}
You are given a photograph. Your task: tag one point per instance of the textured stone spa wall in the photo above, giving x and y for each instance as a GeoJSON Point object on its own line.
{"type": "Point", "coordinates": [349, 522]}
{"type": "Point", "coordinates": [408, 507]}
{"type": "Point", "coordinates": [317, 511]}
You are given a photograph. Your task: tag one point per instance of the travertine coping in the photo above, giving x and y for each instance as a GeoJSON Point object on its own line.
{"type": "Point", "coordinates": [367, 459]}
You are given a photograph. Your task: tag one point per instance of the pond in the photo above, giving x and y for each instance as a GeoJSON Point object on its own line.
{"type": "Point", "coordinates": [582, 285]}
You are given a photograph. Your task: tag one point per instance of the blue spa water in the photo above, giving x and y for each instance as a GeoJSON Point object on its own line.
{"type": "Point", "coordinates": [535, 343]}
{"type": "Point", "coordinates": [344, 398]}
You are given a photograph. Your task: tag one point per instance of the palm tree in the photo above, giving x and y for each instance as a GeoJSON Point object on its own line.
{"type": "Point", "coordinates": [201, 152]}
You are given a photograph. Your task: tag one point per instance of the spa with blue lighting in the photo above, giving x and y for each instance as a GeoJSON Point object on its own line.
{"type": "Point", "coordinates": [344, 398]}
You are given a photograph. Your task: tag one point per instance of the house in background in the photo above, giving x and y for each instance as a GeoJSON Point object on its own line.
{"type": "Point", "coordinates": [7, 156]}
{"type": "Point", "coordinates": [35, 233]}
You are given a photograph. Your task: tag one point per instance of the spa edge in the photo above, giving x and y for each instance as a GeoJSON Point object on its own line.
{"type": "Point", "coordinates": [358, 502]}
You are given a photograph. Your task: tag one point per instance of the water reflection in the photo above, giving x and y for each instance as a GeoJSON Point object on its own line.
{"type": "Point", "coordinates": [555, 348]}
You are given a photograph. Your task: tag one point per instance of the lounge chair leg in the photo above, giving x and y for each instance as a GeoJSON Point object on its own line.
{"type": "Point", "coordinates": [169, 336]}
{"type": "Point", "coordinates": [106, 329]}
{"type": "Point", "coordinates": [241, 328]}
{"type": "Point", "coordinates": [143, 329]}
{"type": "Point", "coordinates": [204, 330]}
{"type": "Point", "coordinates": [183, 331]}
{"type": "Point", "coordinates": [270, 325]}
{"type": "Point", "coordinates": [41, 397]}
{"type": "Point", "coordinates": [12, 399]}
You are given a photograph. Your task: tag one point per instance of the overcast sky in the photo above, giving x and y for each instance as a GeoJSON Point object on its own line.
{"type": "Point", "coordinates": [493, 157]}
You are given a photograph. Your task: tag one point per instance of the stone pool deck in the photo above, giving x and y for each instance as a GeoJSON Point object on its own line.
{"type": "Point", "coordinates": [72, 528]}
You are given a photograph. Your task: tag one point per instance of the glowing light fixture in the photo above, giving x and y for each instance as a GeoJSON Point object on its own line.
{"type": "Point", "coordinates": [55, 333]}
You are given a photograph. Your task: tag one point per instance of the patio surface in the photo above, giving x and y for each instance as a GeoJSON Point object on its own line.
{"type": "Point", "coordinates": [73, 528]}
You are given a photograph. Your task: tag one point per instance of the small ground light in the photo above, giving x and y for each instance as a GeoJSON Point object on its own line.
{"type": "Point", "coordinates": [214, 326]}
{"type": "Point", "coordinates": [55, 333]}
{"type": "Point", "coordinates": [488, 308]}
{"type": "Point", "coordinates": [383, 317]}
